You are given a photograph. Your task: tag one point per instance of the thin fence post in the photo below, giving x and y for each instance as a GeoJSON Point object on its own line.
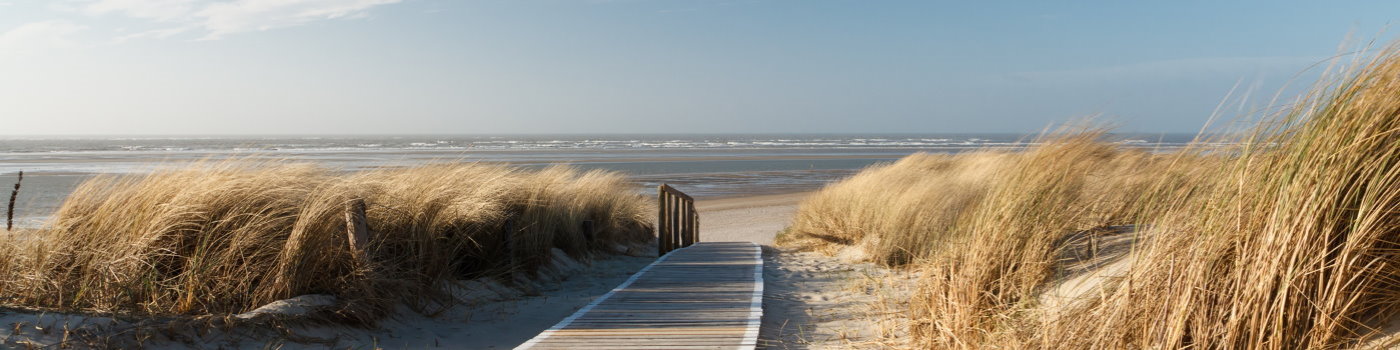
{"type": "Point", "coordinates": [680, 222]}
{"type": "Point", "coordinates": [661, 234]}
{"type": "Point", "coordinates": [356, 229]}
{"type": "Point", "coordinates": [686, 220]}
{"type": "Point", "coordinates": [670, 244]}
{"type": "Point", "coordinates": [10, 210]}
{"type": "Point", "coordinates": [670, 224]}
{"type": "Point", "coordinates": [676, 222]}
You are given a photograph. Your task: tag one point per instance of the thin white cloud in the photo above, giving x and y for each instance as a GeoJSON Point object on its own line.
{"type": "Point", "coordinates": [224, 18]}
{"type": "Point", "coordinates": [161, 10]}
{"type": "Point", "coordinates": [220, 18]}
{"type": "Point", "coordinates": [156, 34]}
{"type": "Point", "coordinates": [35, 36]}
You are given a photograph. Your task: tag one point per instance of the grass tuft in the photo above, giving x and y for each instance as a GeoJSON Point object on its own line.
{"type": "Point", "coordinates": [219, 238]}
{"type": "Point", "coordinates": [1288, 240]}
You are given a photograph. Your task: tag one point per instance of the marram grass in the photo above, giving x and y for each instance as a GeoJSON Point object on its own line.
{"type": "Point", "coordinates": [1290, 240]}
{"type": "Point", "coordinates": [218, 238]}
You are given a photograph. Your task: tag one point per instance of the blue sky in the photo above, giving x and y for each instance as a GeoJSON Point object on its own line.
{"type": "Point", "coordinates": [646, 66]}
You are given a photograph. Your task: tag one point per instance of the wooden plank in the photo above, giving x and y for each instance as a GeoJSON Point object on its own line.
{"type": "Point", "coordinates": [675, 191]}
{"type": "Point", "coordinates": [708, 295]}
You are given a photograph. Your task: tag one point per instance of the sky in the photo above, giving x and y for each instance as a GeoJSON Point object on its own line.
{"type": "Point", "coordinates": [76, 67]}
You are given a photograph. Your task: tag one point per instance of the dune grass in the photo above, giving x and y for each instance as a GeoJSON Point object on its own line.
{"type": "Point", "coordinates": [219, 238]}
{"type": "Point", "coordinates": [1289, 240]}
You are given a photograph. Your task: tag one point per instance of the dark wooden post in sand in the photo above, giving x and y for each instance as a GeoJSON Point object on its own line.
{"type": "Point", "coordinates": [588, 231]}
{"type": "Point", "coordinates": [663, 232]}
{"type": "Point", "coordinates": [675, 220]}
{"type": "Point", "coordinates": [692, 225]}
{"type": "Point", "coordinates": [10, 210]}
{"type": "Point", "coordinates": [356, 229]}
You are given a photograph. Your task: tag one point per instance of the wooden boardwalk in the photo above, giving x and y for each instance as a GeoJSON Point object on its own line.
{"type": "Point", "coordinates": [706, 296]}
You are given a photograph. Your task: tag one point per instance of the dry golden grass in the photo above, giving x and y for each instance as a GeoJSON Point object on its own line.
{"type": "Point", "coordinates": [1297, 245]}
{"type": "Point", "coordinates": [1289, 241]}
{"type": "Point", "coordinates": [217, 238]}
{"type": "Point", "coordinates": [914, 208]}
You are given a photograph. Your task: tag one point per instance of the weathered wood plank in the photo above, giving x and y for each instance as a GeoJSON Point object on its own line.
{"type": "Point", "coordinates": [706, 296]}
{"type": "Point", "coordinates": [663, 242]}
{"type": "Point", "coordinates": [356, 229]}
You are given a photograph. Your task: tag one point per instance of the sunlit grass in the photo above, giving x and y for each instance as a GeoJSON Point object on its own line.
{"type": "Point", "coordinates": [218, 238]}
{"type": "Point", "coordinates": [1289, 240]}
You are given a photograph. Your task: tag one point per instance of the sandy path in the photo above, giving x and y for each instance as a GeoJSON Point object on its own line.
{"type": "Point", "coordinates": [810, 301]}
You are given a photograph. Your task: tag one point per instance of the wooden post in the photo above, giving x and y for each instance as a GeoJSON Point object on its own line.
{"type": "Point", "coordinates": [685, 227]}
{"type": "Point", "coordinates": [696, 214]}
{"type": "Point", "coordinates": [357, 231]}
{"type": "Point", "coordinates": [680, 222]}
{"type": "Point", "coordinates": [588, 230]}
{"type": "Point", "coordinates": [676, 222]}
{"type": "Point", "coordinates": [10, 210]}
{"type": "Point", "coordinates": [662, 234]}
{"type": "Point", "coordinates": [689, 224]}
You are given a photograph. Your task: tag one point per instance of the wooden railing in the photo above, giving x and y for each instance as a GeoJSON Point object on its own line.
{"type": "Point", "coordinates": [677, 222]}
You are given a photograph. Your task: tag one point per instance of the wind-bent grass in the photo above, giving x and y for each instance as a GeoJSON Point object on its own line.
{"type": "Point", "coordinates": [1291, 240]}
{"type": "Point", "coordinates": [914, 208]}
{"type": "Point", "coordinates": [1297, 246]}
{"type": "Point", "coordinates": [228, 237]}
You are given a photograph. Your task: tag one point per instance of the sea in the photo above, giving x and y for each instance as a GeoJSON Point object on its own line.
{"type": "Point", "coordinates": [703, 165]}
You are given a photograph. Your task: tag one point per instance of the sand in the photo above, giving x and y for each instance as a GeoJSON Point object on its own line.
{"type": "Point", "coordinates": [810, 301]}
{"type": "Point", "coordinates": [813, 301]}
{"type": "Point", "coordinates": [753, 219]}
